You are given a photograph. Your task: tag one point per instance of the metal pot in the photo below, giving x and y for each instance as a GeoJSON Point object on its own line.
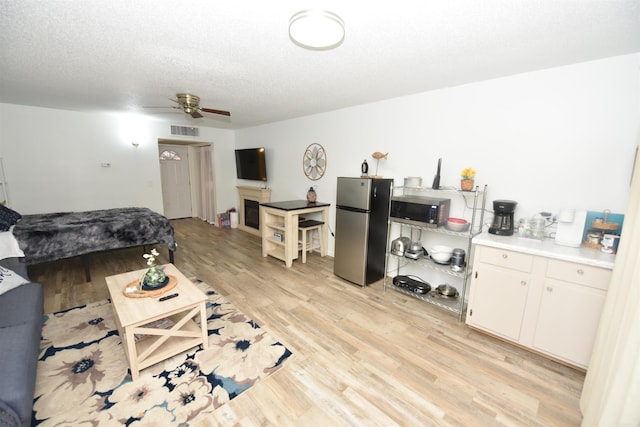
{"type": "Point", "coordinates": [447, 290]}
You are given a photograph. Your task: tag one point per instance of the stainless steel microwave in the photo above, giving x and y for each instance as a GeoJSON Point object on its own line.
{"type": "Point", "coordinates": [420, 211]}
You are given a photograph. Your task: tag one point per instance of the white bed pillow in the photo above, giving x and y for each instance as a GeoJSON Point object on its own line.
{"type": "Point", "coordinates": [9, 247]}
{"type": "Point", "coordinates": [10, 280]}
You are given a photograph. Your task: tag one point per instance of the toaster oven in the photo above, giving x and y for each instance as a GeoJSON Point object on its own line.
{"type": "Point", "coordinates": [421, 211]}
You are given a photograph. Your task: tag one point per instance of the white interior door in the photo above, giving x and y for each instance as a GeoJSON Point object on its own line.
{"type": "Point", "coordinates": [176, 186]}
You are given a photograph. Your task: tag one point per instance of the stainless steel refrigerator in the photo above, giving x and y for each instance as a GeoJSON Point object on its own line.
{"type": "Point", "coordinates": [362, 223]}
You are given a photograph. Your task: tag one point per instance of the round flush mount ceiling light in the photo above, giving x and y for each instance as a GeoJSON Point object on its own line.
{"type": "Point", "coordinates": [316, 29]}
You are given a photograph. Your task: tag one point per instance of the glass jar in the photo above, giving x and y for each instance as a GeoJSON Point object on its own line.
{"type": "Point", "coordinates": [532, 228]}
{"type": "Point", "coordinates": [154, 277]}
{"type": "Point", "coordinates": [594, 237]}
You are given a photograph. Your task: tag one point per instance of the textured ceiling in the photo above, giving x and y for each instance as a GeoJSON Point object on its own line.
{"type": "Point", "coordinates": [122, 55]}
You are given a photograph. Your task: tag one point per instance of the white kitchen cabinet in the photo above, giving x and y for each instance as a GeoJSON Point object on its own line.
{"type": "Point", "coordinates": [499, 292]}
{"type": "Point", "coordinates": [570, 311]}
{"type": "Point", "coordinates": [527, 295]}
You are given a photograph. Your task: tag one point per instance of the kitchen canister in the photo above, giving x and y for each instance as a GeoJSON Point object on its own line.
{"type": "Point", "coordinates": [594, 237]}
{"type": "Point", "coordinates": [457, 259]}
{"type": "Point", "coordinates": [610, 243]}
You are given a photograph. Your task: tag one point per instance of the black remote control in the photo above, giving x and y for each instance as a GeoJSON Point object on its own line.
{"type": "Point", "coordinates": [168, 297]}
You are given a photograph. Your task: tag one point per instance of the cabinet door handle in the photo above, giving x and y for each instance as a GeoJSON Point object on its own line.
{"type": "Point", "coordinates": [549, 289]}
{"type": "Point", "coordinates": [523, 282]}
{"type": "Point", "coordinates": [505, 256]}
{"type": "Point", "coordinates": [580, 271]}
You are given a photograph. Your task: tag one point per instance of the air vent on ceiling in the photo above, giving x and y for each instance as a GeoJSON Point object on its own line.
{"type": "Point", "coordinates": [185, 130]}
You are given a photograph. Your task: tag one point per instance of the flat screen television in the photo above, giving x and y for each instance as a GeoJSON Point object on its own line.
{"type": "Point", "coordinates": [250, 164]}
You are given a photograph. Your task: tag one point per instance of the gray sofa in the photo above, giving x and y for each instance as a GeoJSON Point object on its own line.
{"type": "Point", "coordinates": [21, 316]}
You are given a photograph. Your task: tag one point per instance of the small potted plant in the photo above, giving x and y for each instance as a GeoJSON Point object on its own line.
{"type": "Point", "coordinates": [468, 175]}
{"type": "Point", "coordinates": [154, 278]}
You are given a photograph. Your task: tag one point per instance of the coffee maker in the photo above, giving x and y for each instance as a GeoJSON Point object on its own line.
{"type": "Point", "coordinates": [503, 217]}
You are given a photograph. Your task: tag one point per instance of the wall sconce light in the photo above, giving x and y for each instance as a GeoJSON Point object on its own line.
{"type": "Point", "coordinates": [316, 29]}
{"type": "Point", "coordinates": [135, 144]}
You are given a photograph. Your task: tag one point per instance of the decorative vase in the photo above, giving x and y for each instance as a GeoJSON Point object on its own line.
{"type": "Point", "coordinates": [154, 277]}
{"type": "Point", "coordinates": [467, 184]}
{"type": "Point", "coordinates": [364, 168]}
{"type": "Point", "coordinates": [311, 195]}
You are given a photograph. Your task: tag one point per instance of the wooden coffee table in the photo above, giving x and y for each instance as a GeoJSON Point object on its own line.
{"type": "Point", "coordinates": [155, 344]}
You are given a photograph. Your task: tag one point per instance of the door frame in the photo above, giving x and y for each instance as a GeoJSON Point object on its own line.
{"type": "Point", "coordinates": [195, 195]}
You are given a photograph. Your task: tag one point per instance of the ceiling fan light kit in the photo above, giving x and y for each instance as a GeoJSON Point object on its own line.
{"type": "Point", "coordinates": [316, 29]}
{"type": "Point", "coordinates": [190, 104]}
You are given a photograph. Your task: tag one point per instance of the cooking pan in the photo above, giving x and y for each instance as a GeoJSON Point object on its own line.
{"type": "Point", "coordinates": [447, 290]}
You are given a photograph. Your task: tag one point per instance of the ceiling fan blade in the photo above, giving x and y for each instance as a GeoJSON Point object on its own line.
{"type": "Point", "coordinates": [221, 112]}
{"type": "Point", "coordinates": [196, 114]}
{"type": "Point", "coordinates": [166, 107]}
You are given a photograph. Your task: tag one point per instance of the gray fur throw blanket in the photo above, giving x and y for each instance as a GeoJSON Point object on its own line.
{"type": "Point", "coordinates": [53, 236]}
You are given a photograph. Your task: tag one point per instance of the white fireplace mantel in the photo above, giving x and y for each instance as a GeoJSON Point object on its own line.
{"type": "Point", "coordinates": [257, 194]}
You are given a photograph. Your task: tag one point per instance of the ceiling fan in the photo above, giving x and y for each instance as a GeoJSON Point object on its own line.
{"type": "Point", "coordinates": [190, 104]}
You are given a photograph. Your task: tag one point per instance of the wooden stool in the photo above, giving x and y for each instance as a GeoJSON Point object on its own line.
{"type": "Point", "coordinates": [306, 241]}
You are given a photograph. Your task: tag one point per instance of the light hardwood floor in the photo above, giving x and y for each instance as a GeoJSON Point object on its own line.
{"type": "Point", "coordinates": [360, 356]}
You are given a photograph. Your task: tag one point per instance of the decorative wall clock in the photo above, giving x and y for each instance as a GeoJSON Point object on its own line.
{"type": "Point", "coordinates": [314, 161]}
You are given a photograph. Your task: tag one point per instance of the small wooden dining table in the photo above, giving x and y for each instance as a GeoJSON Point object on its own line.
{"type": "Point", "coordinates": [279, 227]}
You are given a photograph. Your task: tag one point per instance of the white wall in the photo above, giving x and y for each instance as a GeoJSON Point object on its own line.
{"type": "Point", "coordinates": [561, 137]}
{"type": "Point", "coordinates": [547, 139]}
{"type": "Point", "coordinates": [53, 159]}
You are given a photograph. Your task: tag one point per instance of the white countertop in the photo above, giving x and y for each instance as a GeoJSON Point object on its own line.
{"type": "Point", "coordinates": [547, 248]}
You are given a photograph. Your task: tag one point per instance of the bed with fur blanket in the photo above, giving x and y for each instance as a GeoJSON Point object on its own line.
{"type": "Point", "coordinates": [54, 236]}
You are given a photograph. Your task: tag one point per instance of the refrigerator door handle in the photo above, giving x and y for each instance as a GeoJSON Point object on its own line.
{"type": "Point", "coordinates": [348, 208]}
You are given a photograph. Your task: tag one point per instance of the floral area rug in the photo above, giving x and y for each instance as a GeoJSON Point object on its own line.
{"type": "Point", "coordinates": [84, 380]}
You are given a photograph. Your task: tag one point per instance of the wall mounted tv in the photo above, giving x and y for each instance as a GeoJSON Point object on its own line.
{"type": "Point", "coordinates": [250, 164]}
